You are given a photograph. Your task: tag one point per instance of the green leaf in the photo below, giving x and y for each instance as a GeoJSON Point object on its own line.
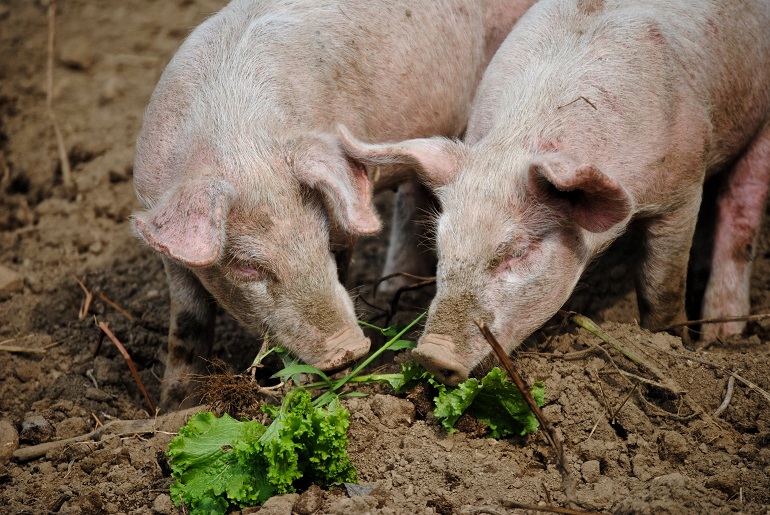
{"type": "Point", "coordinates": [402, 344]}
{"type": "Point", "coordinates": [411, 374]}
{"type": "Point", "coordinates": [206, 466]}
{"type": "Point", "coordinates": [493, 401]}
{"type": "Point", "coordinates": [220, 461]}
{"type": "Point", "coordinates": [301, 369]}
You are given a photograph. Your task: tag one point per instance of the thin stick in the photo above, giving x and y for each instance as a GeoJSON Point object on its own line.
{"type": "Point", "coordinates": [16, 339]}
{"type": "Point", "coordinates": [402, 274]}
{"type": "Point", "coordinates": [673, 389]}
{"type": "Point", "coordinates": [547, 509]}
{"type": "Point", "coordinates": [86, 304]}
{"type": "Point", "coordinates": [520, 384]}
{"type": "Point", "coordinates": [726, 370]}
{"type": "Point", "coordinates": [747, 318]}
{"type": "Point", "coordinates": [550, 433]}
{"type": "Point", "coordinates": [591, 326]}
{"type": "Point", "coordinates": [170, 421]}
{"type": "Point", "coordinates": [115, 306]}
{"type": "Point", "coordinates": [617, 411]}
{"type": "Point", "coordinates": [579, 98]}
{"type": "Point", "coordinates": [66, 172]}
{"type": "Point", "coordinates": [105, 327]}
{"type": "Point", "coordinates": [728, 396]}
{"type": "Point", "coordinates": [21, 350]}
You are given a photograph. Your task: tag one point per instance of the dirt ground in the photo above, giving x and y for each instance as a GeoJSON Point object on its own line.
{"type": "Point", "coordinates": [649, 448]}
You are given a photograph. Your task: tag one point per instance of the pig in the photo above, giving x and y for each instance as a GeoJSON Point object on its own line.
{"type": "Point", "coordinates": [248, 195]}
{"type": "Point", "coordinates": [594, 118]}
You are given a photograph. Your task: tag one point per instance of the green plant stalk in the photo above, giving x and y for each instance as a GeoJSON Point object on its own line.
{"type": "Point", "coordinates": [326, 397]}
{"type": "Point", "coordinates": [370, 378]}
{"type": "Point", "coordinates": [591, 326]}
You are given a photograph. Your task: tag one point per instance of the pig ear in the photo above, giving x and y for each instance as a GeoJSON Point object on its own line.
{"type": "Point", "coordinates": [593, 199]}
{"type": "Point", "coordinates": [434, 161]}
{"type": "Point", "coordinates": [344, 183]}
{"type": "Point", "coordinates": [188, 224]}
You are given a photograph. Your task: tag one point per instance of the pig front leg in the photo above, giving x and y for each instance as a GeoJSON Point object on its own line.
{"type": "Point", "coordinates": [408, 250]}
{"type": "Point", "coordinates": [190, 336]}
{"type": "Point", "coordinates": [740, 208]}
{"type": "Point", "coordinates": [661, 277]}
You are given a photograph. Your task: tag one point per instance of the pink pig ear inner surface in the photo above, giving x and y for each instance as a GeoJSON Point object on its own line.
{"type": "Point", "coordinates": [188, 225]}
{"type": "Point", "coordinates": [344, 183]}
{"type": "Point", "coordinates": [434, 161]}
{"type": "Point", "coordinates": [593, 199]}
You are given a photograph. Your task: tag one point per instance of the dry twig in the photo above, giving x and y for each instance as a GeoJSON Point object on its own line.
{"type": "Point", "coordinates": [749, 384]}
{"type": "Point", "coordinates": [579, 98]}
{"type": "Point", "coordinates": [86, 304]}
{"type": "Point", "coordinates": [728, 397]}
{"type": "Point", "coordinates": [120, 428]}
{"type": "Point", "coordinates": [105, 327]}
{"type": "Point", "coordinates": [746, 318]}
{"type": "Point", "coordinates": [568, 484]}
{"type": "Point", "coordinates": [66, 171]}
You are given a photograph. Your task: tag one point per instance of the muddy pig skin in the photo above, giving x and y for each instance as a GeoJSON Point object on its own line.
{"type": "Point", "coordinates": [248, 196]}
{"type": "Point", "coordinates": [593, 118]}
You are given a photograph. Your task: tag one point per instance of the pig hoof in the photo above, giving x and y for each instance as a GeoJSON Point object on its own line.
{"type": "Point", "coordinates": [435, 353]}
{"type": "Point", "coordinates": [342, 348]}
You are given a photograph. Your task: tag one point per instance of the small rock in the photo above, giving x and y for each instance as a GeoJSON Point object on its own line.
{"type": "Point", "coordinates": [279, 505]}
{"type": "Point", "coordinates": [674, 445]}
{"type": "Point", "coordinates": [163, 504]}
{"type": "Point", "coordinates": [309, 501]}
{"type": "Point", "coordinates": [9, 441]}
{"type": "Point", "coordinates": [73, 426]}
{"type": "Point", "coordinates": [36, 429]}
{"type": "Point", "coordinates": [393, 411]}
{"type": "Point", "coordinates": [10, 281]}
{"type": "Point", "coordinates": [357, 490]}
{"type": "Point", "coordinates": [27, 371]}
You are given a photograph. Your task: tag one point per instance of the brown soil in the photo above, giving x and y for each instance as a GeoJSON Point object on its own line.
{"type": "Point", "coordinates": [662, 453]}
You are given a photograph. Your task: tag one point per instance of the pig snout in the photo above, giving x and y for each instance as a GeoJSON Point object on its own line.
{"type": "Point", "coordinates": [342, 348]}
{"type": "Point", "coordinates": [436, 353]}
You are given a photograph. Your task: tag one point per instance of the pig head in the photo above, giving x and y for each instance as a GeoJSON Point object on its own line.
{"type": "Point", "coordinates": [268, 253]}
{"type": "Point", "coordinates": [530, 242]}
{"type": "Point", "coordinates": [591, 118]}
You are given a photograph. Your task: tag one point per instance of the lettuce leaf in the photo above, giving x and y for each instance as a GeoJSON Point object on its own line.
{"type": "Point", "coordinates": [221, 461]}
{"type": "Point", "coordinates": [208, 469]}
{"type": "Point", "coordinates": [492, 400]}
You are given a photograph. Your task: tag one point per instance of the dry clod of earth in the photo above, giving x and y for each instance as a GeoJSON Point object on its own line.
{"type": "Point", "coordinates": [638, 438]}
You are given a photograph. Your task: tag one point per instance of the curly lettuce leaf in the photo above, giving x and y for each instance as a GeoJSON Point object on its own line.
{"type": "Point", "coordinates": [209, 472]}
{"type": "Point", "coordinates": [220, 461]}
{"type": "Point", "coordinates": [492, 400]}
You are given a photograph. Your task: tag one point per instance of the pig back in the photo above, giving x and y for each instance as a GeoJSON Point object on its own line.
{"type": "Point", "coordinates": [258, 72]}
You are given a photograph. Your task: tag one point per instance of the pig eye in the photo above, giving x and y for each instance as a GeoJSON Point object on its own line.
{"type": "Point", "coordinates": [249, 271]}
{"type": "Point", "coordinates": [507, 256]}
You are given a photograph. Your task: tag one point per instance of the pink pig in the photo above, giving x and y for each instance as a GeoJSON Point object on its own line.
{"type": "Point", "coordinates": [594, 117]}
{"type": "Point", "coordinates": [249, 197]}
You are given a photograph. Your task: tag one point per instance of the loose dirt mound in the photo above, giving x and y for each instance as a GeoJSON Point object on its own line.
{"type": "Point", "coordinates": [650, 448]}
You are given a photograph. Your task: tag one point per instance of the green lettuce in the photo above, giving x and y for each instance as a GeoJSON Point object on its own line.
{"type": "Point", "coordinates": [492, 400]}
{"type": "Point", "coordinates": [217, 462]}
